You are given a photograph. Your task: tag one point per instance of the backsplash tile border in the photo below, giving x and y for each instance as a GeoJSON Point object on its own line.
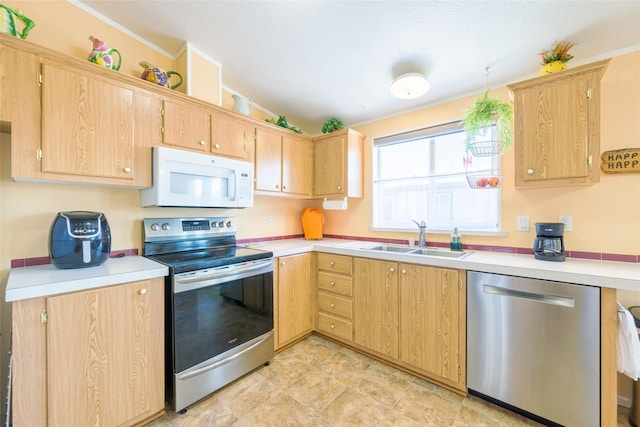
{"type": "Point", "coordinates": [27, 262]}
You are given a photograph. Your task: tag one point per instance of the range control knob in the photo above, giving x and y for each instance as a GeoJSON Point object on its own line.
{"type": "Point", "coordinates": [221, 224]}
{"type": "Point", "coordinates": [214, 224]}
{"type": "Point", "coordinates": [229, 224]}
{"type": "Point", "coordinates": [155, 227]}
{"type": "Point", "coordinates": [165, 226]}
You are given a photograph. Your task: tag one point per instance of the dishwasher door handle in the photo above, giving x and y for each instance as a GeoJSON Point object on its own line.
{"type": "Point", "coordinates": [533, 296]}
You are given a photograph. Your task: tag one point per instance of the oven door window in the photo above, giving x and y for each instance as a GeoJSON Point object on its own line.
{"type": "Point", "coordinates": [211, 320]}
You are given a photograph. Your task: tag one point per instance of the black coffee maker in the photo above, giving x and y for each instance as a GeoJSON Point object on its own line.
{"type": "Point", "coordinates": [549, 242]}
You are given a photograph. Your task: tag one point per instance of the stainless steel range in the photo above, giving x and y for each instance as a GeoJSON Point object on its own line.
{"type": "Point", "coordinates": [219, 304]}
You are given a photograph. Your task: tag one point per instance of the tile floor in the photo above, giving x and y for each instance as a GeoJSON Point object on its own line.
{"type": "Point", "coordinates": [319, 383]}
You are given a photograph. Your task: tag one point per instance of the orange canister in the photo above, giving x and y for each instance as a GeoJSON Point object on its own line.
{"type": "Point", "coordinates": [312, 222]}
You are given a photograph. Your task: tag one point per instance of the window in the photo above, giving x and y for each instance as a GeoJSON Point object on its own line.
{"type": "Point", "coordinates": [421, 175]}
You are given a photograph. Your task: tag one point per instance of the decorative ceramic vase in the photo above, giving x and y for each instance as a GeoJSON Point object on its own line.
{"type": "Point", "coordinates": [553, 67]}
{"type": "Point", "coordinates": [242, 105]}
{"type": "Point", "coordinates": [8, 22]}
{"type": "Point", "coordinates": [158, 76]}
{"type": "Point", "coordinates": [102, 54]}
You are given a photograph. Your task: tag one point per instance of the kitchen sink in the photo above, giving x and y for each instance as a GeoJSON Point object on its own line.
{"type": "Point", "coordinates": [397, 249]}
{"type": "Point", "coordinates": [440, 253]}
{"type": "Point", "coordinates": [435, 252]}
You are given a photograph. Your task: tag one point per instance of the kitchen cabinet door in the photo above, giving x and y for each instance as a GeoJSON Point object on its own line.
{"type": "Point", "coordinates": [268, 164]}
{"type": "Point", "coordinates": [294, 285]}
{"type": "Point", "coordinates": [297, 164]}
{"type": "Point", "coordinates": [557, 128]}
{"type": "Point", "coordinates": [186, 126]}
{"type": "Point", "coordinates": [109, 371]}
{"type": "Point", "coordinates": [375, 301]}
{"type": "Point", "coordinates": [432, 322]}
{"type": "Point", "coordinates": [87, 124]}
{"type": "Point", "coordinates": [94, 357]}
{"type": "Point", "coordinates": [232, 137]}
{"type": "Point", "coordinates": [338, 164]}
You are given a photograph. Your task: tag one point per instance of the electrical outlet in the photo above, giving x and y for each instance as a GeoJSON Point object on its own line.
{"type": "Point", "coordinates": [523, 222]}
{"type": "Point", "coordinates": [567, 221]}
{"type": "Point", "coordinates": [269, 219]}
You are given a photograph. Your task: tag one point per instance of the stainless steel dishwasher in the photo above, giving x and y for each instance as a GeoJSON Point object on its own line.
{"type": "Point", "coordinates": [534, 345]}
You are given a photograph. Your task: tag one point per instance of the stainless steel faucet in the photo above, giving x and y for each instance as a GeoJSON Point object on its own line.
{"type": "Point", "coordinates": [422, 238]}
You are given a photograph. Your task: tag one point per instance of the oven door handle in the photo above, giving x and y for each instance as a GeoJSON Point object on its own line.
{"type": "Point", "coordinates": [222, 274]}
{"type": "Point", "coordinates": [230, 359]}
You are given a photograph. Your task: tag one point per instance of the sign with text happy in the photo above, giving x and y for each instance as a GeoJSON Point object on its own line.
{"type": "Point", "coordinates": [621, 161]}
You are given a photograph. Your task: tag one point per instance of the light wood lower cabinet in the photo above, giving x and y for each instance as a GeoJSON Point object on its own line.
{"type": "Point", "coordinates": [335, 307]}
{"type": "Point", "coordinates": [376, 305]}
{"type": "Point", "coordinates": [432, 322]}
{"type": "Point", "coordinates": [294, 314]}
{"type": "Point", "coordinates": [107, 347]}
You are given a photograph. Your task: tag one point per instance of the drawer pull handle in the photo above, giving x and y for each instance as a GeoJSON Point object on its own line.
{"type": "Point", "coordinates": [142, 291]}
{"type": "Point", "coordinates": [333, 263]}
{"type": "Point", "coordinates": [332, 305]}
{"type": "Point", "coordinates": [332, 283]}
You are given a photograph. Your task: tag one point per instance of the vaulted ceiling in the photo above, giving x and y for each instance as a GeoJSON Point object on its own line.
{"type": "Point", "coordinates": [312, 60]}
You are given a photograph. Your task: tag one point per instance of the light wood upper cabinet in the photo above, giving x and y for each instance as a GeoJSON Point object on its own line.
{"type": "Point", "coordinates": [186, 126]}
{"type": "Point", "coordinates": [375, 300]}
{"type": "Point", "coordinates": [283, 163]}
{"type": "Point", "coordinates": [433, 322]}
{"type": "Point", "coordinates": [80, 136]}
{"type": "Point", "coordinates": [338, 164]}
{"type": "Point", "coordinates": [294, 317]}
{"type": "Point", "coordinates": [232, 137]}
{"type": "Point", "coordinates": [557, 128]}
{"type": "Point", "coordinates": [297, 164]}
{"type": "Point", "coordinates": [108, 371]}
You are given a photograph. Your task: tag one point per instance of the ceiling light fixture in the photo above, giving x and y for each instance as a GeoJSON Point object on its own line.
{"type": "Point", "coordinates": [409, 86]}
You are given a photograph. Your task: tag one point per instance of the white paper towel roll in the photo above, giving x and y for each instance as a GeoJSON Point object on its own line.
{"type": "Point", "coordinates": [335, 205]}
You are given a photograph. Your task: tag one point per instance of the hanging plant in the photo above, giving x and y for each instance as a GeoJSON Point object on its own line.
{"type": "Point", "coordinates": [486, 112]}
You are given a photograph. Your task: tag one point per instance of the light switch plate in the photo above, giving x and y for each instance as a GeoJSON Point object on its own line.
{"type": "Point", "coordinates": [567, 220]}
{"type": "Point", "coordinates": [523, 222]}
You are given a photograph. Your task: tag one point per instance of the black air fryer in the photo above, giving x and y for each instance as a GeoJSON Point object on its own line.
{"type": "Point", "coordinates": [79, 239]}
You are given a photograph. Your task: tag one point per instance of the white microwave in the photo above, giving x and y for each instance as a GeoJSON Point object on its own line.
{"type": "Point", "coordinates": [188, 179]}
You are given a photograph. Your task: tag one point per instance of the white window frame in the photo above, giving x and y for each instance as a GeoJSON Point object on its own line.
{"type": "Point", "coordinates": [432, 131]}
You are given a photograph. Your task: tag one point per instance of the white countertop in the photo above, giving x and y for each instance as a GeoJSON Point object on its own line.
{"type": "Point", "coordinates": [606, 274]}
{"type": "Point", "coordinates": [45, 280]}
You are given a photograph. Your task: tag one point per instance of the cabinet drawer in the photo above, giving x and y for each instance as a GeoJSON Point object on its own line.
{"type": "Point", "coordinates": [334, 304]}
{"type": "Point", "coordinates": [334, 283]}
{"type": "Point", "coordinates": [335, 263]}
{"type": "Point", "coordinates": [335, 326]}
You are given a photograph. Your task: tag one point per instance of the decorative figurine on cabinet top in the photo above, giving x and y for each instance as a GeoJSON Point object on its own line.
{"type": "Point", "coordinates": [8, 23]}
{"type": "Point", "coordinates": [102, 54]}
{"type": "Point", "coordinates": [157, 75]}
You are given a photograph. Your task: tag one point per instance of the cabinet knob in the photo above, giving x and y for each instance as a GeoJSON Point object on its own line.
{"type": "Point", "coordinates": [339, 187]}
{"type": "Point", "coordinates": [202, 142]}
{"type": "Point", "coordinates": [282, 263]}
{"type": "Point", "coordinates": [333, 326]}
{"type": "Point", "coordinates": [530, 171]}
{"type": "Point", "coordinates": [333, 263]}
{"type": "Point", "coordinates": [216, 145]}
{"type": "Point", "coordinates": [277, 186]}
{"type": "Point", "coordinates": [127, 170]}
{"type": "Point", "coordinates": [332, 283]}
{"type": "Point", "coordinates": [332, 305]}
{"type": "Point", "coordinates": [142, 291]}
{"type": "Point", "coordinates": [284, 187]}
{"type": "Point", "coordinates": [392, 269]}
{"type": "Point", "coordinates": [404, 271]}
